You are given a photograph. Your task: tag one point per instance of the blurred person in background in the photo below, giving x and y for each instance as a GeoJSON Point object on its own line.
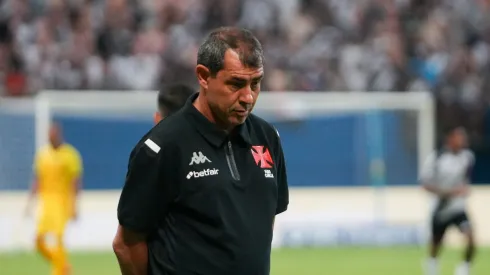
{"type": "Point", "coordinates": [57, 181]}
{"type": "Point", "coordinates": [13, 78]}
{"type": "Point", "coordinates": [446, 175]}
{"type": "Point", "coordinates": [170, 99]}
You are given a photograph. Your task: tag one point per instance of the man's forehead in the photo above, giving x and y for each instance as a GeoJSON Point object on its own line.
{"type": "Point", "coordinates": [233, 67]}
{"type": "Point", "coordinates": [55, 127]}
{"type": "Point", "coordinates": [247, 74]}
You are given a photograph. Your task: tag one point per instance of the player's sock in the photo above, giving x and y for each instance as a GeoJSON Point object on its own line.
{"type": "Point", "coordinates": [432, 266]}
{"type": "Point", "coordinates": [463, 269]}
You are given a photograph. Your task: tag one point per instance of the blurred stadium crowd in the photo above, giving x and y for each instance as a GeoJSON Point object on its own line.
{"type": "Point", "coordinates": [328, 45]}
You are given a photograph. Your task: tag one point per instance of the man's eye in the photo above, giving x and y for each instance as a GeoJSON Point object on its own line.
{"type": "Point", "coordinates": [236, 86]}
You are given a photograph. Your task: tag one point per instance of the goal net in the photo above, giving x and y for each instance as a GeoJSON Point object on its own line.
{"type": "Point", "coordinates": [330, 139]}
{"type": "Point", "coordinates": [375, 142]}
{"type": "Point", "coordinates": [17, 143]}
{"type": "Point", "coordinates": [387, 133]}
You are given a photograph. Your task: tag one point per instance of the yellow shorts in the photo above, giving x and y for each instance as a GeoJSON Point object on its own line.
{"type": "Point", "coordinates": [52, 221]}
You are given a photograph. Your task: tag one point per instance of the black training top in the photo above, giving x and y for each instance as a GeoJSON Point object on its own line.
{"type": "Point", "coordinates": [207, 200]}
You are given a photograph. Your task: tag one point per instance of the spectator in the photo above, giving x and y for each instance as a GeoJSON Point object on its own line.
{"type": "Point", "coordinates": [325, 45]}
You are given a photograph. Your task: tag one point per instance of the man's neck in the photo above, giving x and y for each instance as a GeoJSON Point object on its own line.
{"type": "Point", "coordinates": [453, 150]}
{"type": "Point", "coordinates": [56, 145]}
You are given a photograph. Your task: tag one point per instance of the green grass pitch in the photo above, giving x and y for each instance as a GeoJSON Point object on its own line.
{"type": "Point", "coordinates": [317, 261]}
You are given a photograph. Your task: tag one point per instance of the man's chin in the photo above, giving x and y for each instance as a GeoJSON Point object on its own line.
{"type": "Point", "coordinates": [237, 120]}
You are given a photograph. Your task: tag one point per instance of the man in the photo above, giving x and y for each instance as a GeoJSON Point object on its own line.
{"type": "Point", "coordinates": [203, 189]}
{"type": "Point", "coordinates": [57, 174]}
{"type": "Point", "coordinates": [170, 99]}
{"type": "Point", "coordinates": [446, 175]}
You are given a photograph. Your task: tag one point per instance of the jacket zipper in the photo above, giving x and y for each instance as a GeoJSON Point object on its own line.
{"type": "Point", "coordinates": [230, 158]}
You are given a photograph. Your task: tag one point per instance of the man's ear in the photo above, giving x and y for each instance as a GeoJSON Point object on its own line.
{"type": "Point", "coordinates": [203, 75]}
{"type": "Point", "coordinates": [157, 117]}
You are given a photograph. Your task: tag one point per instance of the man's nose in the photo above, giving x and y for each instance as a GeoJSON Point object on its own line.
{"type": "Point", "coordinates": [247, 97]}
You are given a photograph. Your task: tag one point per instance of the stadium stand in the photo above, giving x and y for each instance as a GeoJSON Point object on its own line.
{"type": "Point", "coordinates": [341, 45]}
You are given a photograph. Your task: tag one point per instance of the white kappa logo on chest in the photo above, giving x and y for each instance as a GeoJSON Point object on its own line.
{"type": "Point", "coordinates": [198, 158]}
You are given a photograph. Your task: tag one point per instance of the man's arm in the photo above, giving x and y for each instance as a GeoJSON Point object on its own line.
{"type": "Point", "coordinates": [77, 188]}
{"type": "Point", "coordinates": [32, 195]}
{"type": "Point", "coordinates": [282, 179]}
{"type": "Point", "coordinates": [76, 170]}
{"type": "Point", "coordinates": [143, 202]}
{"type": "Point", "coordinates": [443, 193]}
{"type": "Point", "coordinates": [428, 177]}
{"type": "Point", "coordinates": [466, 185]}
{"type": "Point", "coordinates": [35, 184]}
{"type": "Point", "coordinates": [131, 251]}
{"type": "Point", "coordinates": [428, 180]}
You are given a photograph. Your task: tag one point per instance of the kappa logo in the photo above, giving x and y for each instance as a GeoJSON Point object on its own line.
{"type": "Point", "coordinates": [262, 157]}
{"type": "Point", "coordinates": [198, 158]}
{"type": "Point", "coordinates": [203, 173]}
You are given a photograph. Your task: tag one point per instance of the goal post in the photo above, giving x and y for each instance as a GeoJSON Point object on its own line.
{"type": "Point", "coordinates": [371, 109]}
{"type": "Point", "coordinates": [419, 105]}
{"type": "Point", "coordinates": [311, 103]}
{"type": "Point", "coordinates": [48, 103]}
{"type": "Point", "coordinates": [365, 140]}
{"type": "Point", "coordinates": [302, 103]}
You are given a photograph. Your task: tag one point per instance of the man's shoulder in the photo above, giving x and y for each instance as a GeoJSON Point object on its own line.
{"type": "Point", "coordinates": [468, 153]}
{"type": "Point", "coordinates": [168, 131]}
{"type": "Point", "coordinates": [70, 149]}
{"type": "Point", "coordinates": [43, 151]}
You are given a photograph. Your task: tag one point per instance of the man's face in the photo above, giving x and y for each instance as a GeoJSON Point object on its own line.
{"type": "Point", "coordinates": [458, 139]}
{"type": "Point", "coordinates": [55, 137]}
{"type": "Point", "coordinates": [232, 93]}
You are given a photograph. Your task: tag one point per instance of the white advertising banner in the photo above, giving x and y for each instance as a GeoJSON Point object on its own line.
{"type": "Point", "coordinates": [316, 217]}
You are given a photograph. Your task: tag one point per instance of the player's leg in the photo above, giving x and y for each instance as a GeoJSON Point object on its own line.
{"type": "Point", "coordinates": [42, 247]}
{"type": "Point", "coordinates": [464, 225]}
{"type": "Point", "coordinates": [438, 230]}
{"type": "Point", "coordinates": [60, 258]}
{"type": "Point", "coordinates": [41, 234]}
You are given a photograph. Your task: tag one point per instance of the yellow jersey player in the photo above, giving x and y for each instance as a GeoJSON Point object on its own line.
{"type": "Point", "coordinates": [57, 170]}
